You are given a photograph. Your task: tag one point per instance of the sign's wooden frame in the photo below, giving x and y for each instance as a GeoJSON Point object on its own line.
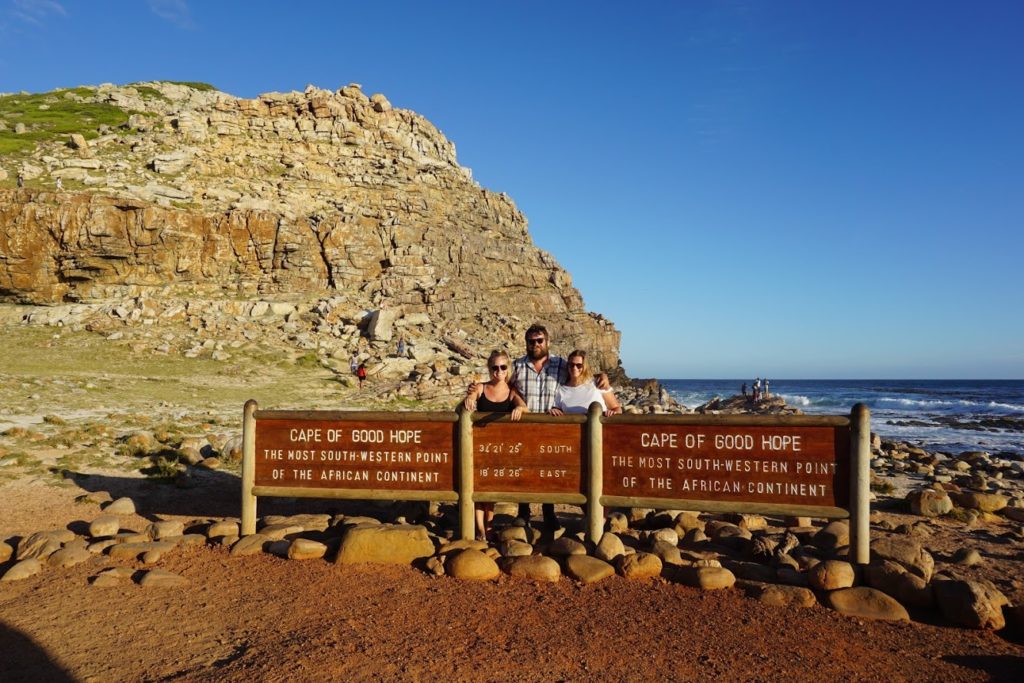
{"type": "Point", "coordinates": [592, 497]}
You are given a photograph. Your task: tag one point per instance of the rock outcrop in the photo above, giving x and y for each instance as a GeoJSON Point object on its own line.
{"type": "Point", "coordinates": [202, 194]}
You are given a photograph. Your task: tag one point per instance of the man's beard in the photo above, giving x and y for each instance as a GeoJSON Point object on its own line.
{"type": "Point", "coordinates": [537, 352]}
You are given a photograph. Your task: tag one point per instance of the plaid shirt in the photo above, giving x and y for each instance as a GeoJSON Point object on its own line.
{"type": "Point", "coordinates": [538, 389]}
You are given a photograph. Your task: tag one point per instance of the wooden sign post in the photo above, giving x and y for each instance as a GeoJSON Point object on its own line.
{"type": "Point", "coordinates": [810, 466]}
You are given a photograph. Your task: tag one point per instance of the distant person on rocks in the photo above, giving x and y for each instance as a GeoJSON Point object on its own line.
{"type": "Point", "coordinates": [495, 396]}
{"type": "Point", "coordinates": [537, 376]}
{"type": "Point", "coordinates": [767, 395]}
{"type": "Point", "coordinates": [353, 364]}
{"type": "Point", "coordinates": [60, 184]}
{"type": "Point", "coordinates": [401, 346]}
{"type": "Point", "coordinates": [21, 180]}
{"type": "Point", "coordinates": [579, 391]}
{"type": "Point", "coordinates": [757, 390]}
{"type": "Point", "coordinates": [361, 374]}
{"type": "Point", "coordinates": [744, 390]}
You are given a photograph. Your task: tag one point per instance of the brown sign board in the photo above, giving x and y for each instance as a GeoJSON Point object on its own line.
{"type": "Point", "coordinates": [517, 457]}
{"type": "Point", "coordinates": [342, 454]}
{"type": "Point", "coordinates": [785, 465]}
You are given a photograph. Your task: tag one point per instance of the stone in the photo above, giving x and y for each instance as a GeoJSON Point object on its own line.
{"type": "Point", "coordinates": [535, 568]}
{"type": "Point", "coordinates": [77, 141]}
{"type": "Point", "coordinates": [380, 326]}
{"type": "Point", "coordinates": [972, 604]}
{"type": "Point", "coordinates": [618, 522]}
{"type": "Point", "coordinates": [639, 566]}
{"type": "Point", "coordinates": [967, 557]}
{"type": "Point", "coordinates": [516, 549]}
{"type": "Point", "coordinates": [39, 545]}
{"type": "Point", "coordinates": [385, 544]}
{"type": "Point", "coordinates": [435, 566]}
{"type": "Point", "coordinates": [867, 603]}
{"type": "Point", "coordinates": [512, 533]}
{"type": "Point", "coordinates": [104, 526]}
{"type": "Point", "coordinates": [114, 576]}
{"type": "Point", "coordinates": [706, 578]}
{"type": "Point", "coordinates": [463, 544]}
{"type": "Point", "coordinates": [23, 570]}
{"type": "Point", "coordinates": [833, 535]}
{"type": "Point", "coordinates": [471, 565]}
{"type": "Point", "coordinates": [565, 546]}
{"type": "Point", "coordinates": [306, 549]}
{"type": "Point", "coordinates": [131, 551]}
{"type": "Point", "coordinates": [94, 498]}
{"type": "Point", "coordinates": [278, 548]}
{"type": "Point", "coordinates": [664, 536]}
{"type": "Point", "coordinates": [893, 579]}
{"type": "Point", "coordinates": [667, 553]}
{"type": "Point", "coordinates": [164, 529]}
{"type": "Point", "coordinates": [609, 548]}
{"type": "Point", "coordinates": [281, 530]}
{"type": "Point", "coordinates": [162, 578]}
{"type": "Point", "coordinates": [225, 528]}
{"type": "Point", "coordinates": [906, 552]}
{"type": "Point", "coordinates": [249, 545]}
{"type": "Point", "coordinates": [983, 502]}
{"type": "Point", "coordinates": [1015, 513]}
{"type": "Point", "coordinates": [588, 569]}
{"type": "Point", "coordinates": [831, 575]}
{"type": "Point", "coordinates": [68, 557]}
{"type": "Point", "coordinates": [929, 502]}
{"type": "Point", "coordinates": [121, 506]}
{"type": "Point", "coordinates": [751, 571]}
{"type": "Point", "coordinates": [784, 596]}
{"type": "Point", "coordinates": [6, 551]}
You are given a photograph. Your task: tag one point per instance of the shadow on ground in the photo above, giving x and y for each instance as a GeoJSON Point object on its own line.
{"type": "Point", "coordinates": [25, 661]}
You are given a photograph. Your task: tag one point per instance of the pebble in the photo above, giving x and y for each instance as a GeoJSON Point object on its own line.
{"type": "Point", "coordinates": [639, 566]}
{"type": "Point", "coordinates": [514, 548]}
{"type": "Point", "coordinates": [121, 506]}
{"type": "Point", "coordinates": [783, 596]}
{"type": "Point", "coordinates": [588, 569]}
{"type": "Point", "coordinates": [23, 569]}
{"type": "Point", "coordinates": [162, 577]}
{"type": "Point", "coordinates": [534, 567]}
{"type": "Point", "coordinates": [115, 576]}
{"type": "Point", "coordinates": [867, 603]}
{"type": "Point", "coordinates": [471, 565]}
{"type": "Point", "coordinates": [104, 526]}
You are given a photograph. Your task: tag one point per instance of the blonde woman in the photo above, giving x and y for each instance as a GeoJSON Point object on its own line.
{"type": "Point", "coordinates": [494, 396]}
{"type": "Point", "coordinates": [579, 391]}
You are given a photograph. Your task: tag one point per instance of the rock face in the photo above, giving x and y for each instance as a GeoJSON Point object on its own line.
{"type": "Point", "coordinates": [304, 192]}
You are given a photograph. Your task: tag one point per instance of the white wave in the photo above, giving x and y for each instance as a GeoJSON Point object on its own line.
{"type": "Point", "coordinates": [1005, 406]}
{"type": "Point", "coordinates": [937, 402]}
{"type": "Point", "coordinates": [795, 400]}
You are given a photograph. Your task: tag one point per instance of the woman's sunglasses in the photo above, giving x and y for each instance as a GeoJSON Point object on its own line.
{"type": "Point", "coordinates": [495, 368]}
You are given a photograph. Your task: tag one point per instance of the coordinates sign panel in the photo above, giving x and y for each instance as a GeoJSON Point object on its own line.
{"type": "Point", "coordinates": [355, 455]}
{"type": "Point", "coordinates": [527, 458]}
{"type": "Point", "coordinates": [783, 465]}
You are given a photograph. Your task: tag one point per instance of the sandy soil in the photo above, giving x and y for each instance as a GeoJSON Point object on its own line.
{"type": "Point", "coordinates": [266, 618]}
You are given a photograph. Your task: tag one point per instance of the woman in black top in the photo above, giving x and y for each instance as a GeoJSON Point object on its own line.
{"type": "Point", "coordinates": [494, 396]}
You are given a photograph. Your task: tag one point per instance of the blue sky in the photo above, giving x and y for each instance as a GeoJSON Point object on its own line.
{"type": "Point", "coordinates": [791, 189]}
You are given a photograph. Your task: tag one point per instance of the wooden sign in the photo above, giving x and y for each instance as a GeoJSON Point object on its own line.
{"type": "Point", "coordinates": [527, 458]}
{"type": "Point", "coordinates": [783, 465]}
{"type": "Point", "coordinates": [373, 455]}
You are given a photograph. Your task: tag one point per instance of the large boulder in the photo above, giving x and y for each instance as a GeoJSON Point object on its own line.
{"type": "Point", "coordinates": [974, 604]}
{"type": "Point", "coordinates": [588, 569]}
{"type": "Point", "coordinates": [833, 535]}
{"type": "Point", "coordinates": [385, 544]}
{"type": "Point", "coordinates": [929, 502]}
{"type": "Point", "coordinates": [534, 567]}
{"type": "Point", "coordinates": [983, 502]}
{"type": "Point", "coordinates": [831, 575]}
{"type": "Point", "coordinates": [639, 566]}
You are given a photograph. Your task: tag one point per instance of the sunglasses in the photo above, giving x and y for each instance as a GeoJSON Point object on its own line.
{"type": "Point", "coordinates": [576, 365]}
{"type": "Point", "coordinates": [495, 368]}
{"type": "Point", "coordinates": [535, 341]}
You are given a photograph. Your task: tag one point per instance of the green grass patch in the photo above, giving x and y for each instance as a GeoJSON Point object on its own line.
{"type": "Point", "coordinates": [195, 85]}
{"type": "Point", "coordinates": [149, 92]}
{"type": "Point", "coordinates": [60, 118]}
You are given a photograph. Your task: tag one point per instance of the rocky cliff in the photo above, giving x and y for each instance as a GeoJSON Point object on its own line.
{"type": "Point", "coordinates": [197, 194]}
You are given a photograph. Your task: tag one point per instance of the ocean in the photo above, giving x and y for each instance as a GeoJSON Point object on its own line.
{"type": "Point", "coordinates": [944, 415]}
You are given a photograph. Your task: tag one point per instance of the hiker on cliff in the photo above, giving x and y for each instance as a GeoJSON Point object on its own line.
{"type": "Point", "coordinates": [361, 374]}
{"type": "Point", "coordinates": [401, 346]}
{"type": "Point", "coordinates": [537, 376]}
{"type": "Point", "coordinates": [21, 180]}
{"type": "Point", "coordinates": [353, 364]}
{"type": "Point", "coordinates": [757, 390]}
{"type": "Point", "coordinates": [766, 395]}
{"type": "Point", "coordinates": [496, 396]}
